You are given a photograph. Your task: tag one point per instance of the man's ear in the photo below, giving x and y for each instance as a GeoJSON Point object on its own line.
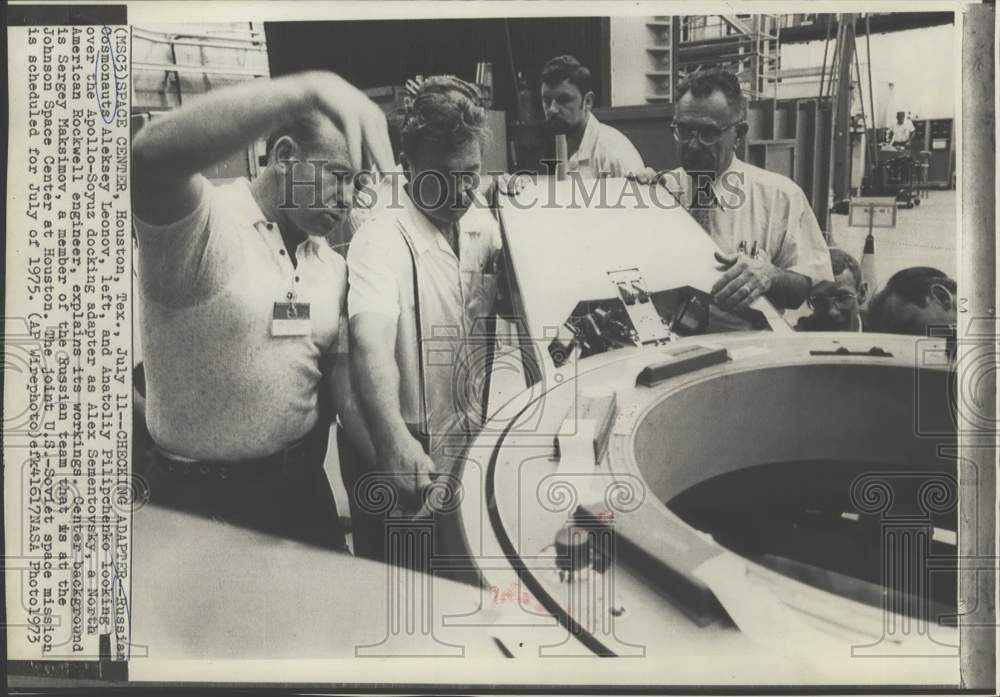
{"type": "Point", "coordinates": [862, 292]}
{"type": "Point", "coordinates": [741, 129]}
{"type": "Point", "coordinates": [942, 295]}
{"type": "Point", "coordinates": [284, 152]}
{"type": "Point", "coordinates": [588, 101]}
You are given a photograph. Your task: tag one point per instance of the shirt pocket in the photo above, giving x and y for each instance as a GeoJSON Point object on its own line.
{"type": "Point", "coordinates": [480, 290]}
{"type": "Point", "coordinates": [479, 287]}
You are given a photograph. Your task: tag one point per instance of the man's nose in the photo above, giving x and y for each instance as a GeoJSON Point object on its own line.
{"type": "Point", "coordinates": [344, 191]}
{"type": "Point", "coordinates": [691, 147]}
{"type": "Point", "coordinates": [551, 110]}
{"type": "Point", "coordinates": [464, 198]}
{"type": "Point", "coordinates": [694, 142]}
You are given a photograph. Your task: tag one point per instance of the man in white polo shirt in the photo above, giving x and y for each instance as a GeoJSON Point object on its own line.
{"type": "Point", "coordinates": [422, 279]}
{"type": "Point", "coordinates": [770, 240]}
{"type": "Point", "coordinates": [594, 149]}
{"type": "Point", "coordinates": [242, 297]}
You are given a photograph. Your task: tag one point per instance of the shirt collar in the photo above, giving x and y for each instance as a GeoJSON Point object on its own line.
{"type": "Point", "coordinates": [737, 166]}
{"type": "Point", "coordinates": [424, 234]}
{"type": "Point", "coordinates": [250, 214]}
{"type": "Point", "coordinates": [246, 207]}
{"type": "Point", "coordinates": [722, 195]}
{"type": "Point", "coordinates": [589, 139]}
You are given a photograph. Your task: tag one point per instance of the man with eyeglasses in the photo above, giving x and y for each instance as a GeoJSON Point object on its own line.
{"type": "Point", "coordinates": [837, 305]}
{"type": "Point", "coordinates": [771, 244]}
{"type": "Point", "coordinates": [594, 148]}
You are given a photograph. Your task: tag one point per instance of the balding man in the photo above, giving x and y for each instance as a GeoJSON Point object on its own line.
{"type": "Point", "coordinates": [242, 297]}
{"type": "Point", "coordinates": [770, 240]}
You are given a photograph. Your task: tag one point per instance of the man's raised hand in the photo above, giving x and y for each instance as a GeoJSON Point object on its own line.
{"type": "Point", "coordinates": [361, 120]}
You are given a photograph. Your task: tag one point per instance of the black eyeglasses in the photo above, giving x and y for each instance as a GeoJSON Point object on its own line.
{"type": "Point", "coordinates": [707, 135]}
{"type": "Point", "coordinates": [841, 300]}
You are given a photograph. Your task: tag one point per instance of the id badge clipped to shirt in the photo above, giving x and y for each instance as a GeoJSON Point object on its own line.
{"type": "Point", "coordinates": [290, 319]}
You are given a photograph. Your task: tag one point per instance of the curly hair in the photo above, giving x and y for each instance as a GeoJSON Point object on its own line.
{"type": "Point", "coordinates": [446, 112]}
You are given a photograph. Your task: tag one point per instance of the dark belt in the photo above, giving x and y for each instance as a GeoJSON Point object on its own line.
{"type": "Point", "coordinates": [295, 457]}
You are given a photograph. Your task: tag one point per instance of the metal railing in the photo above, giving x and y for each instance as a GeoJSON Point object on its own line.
{"type": "Point", "coordinates": [747, 45]}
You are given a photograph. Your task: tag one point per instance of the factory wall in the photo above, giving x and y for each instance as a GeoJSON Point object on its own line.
{"type": "Point", "coordinates": [628, 60]}
{"type": "Point", "coordinates": [912, 70]}
{"type": "Point", "coordinates": [383, 53]}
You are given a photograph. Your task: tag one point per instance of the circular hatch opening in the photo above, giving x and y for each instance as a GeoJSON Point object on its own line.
{"type": "Point", "coordinates": [828, 474]}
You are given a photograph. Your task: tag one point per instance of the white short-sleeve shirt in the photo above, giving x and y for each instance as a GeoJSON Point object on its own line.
{"type": "Point", "coordinates": [219, 384]}
{"type": "Point", "coordinates": [766, 212]}
{"type": "Point", "coordinates": [457, 294]}
{"type": "Point", "coordinates": [766, 208]}
{"type": "Point", "coordinates": [901, 132]}
{"type": "Point", "coordinates": [604, 152]}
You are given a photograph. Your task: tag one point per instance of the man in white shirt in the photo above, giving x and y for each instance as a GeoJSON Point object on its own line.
{"type": "Point", "coordinates": [242, 297]}
{"type": "Point", "coordinates": [422, 279]}
{"type": "Point", "coordinates": [594, 149]}
{"type": "Point", "coordinates": [770, 241]}
{"type": "Point", "coordinates": [901, 133]}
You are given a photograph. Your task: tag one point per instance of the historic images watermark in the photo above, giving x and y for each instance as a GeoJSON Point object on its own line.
{"type": "Point", "coordinates": [434, 190]}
